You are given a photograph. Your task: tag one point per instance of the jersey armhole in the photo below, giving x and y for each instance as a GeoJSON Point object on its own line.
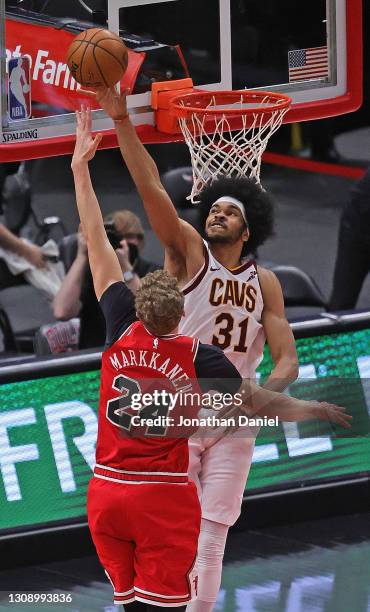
{"type": "Point", "coordinates": [127, 331]}
{"type": "Point", "coordinates": [194, 348]}
{"type": "Point", "coordinates": [194, 282]}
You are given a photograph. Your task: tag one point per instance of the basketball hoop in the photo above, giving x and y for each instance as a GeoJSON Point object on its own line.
{"type": "Point", "coordinates": [227, 131]}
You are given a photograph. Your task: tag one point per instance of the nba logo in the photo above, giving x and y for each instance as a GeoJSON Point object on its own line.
{"type": "Point", "coordinates": [19, 88]}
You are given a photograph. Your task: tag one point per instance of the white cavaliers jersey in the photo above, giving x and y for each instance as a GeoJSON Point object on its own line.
{"type": "Point", "coordinates": [224, 307]}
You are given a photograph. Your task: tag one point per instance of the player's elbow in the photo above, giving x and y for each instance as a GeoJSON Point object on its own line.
{"type": "Point", "coordinates": [292, 369]}
{"type": "Point", "coordinates": [286, 369]}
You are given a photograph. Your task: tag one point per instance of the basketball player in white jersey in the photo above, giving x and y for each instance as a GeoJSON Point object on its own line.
{"type": "Point", "coordinates": [230, 302]}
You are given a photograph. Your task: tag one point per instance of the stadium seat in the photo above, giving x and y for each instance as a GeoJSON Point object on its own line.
{"type": "Point", "coordinates": [68, 250]}
{"type": "Point", "coordinates": [16, 199]}
{"type": "Point", "coordinates": [178, 183]}
{"type": "Point", "coordinates": [299, 288]}
{"type": "Point", "coordinates": [6, 330]}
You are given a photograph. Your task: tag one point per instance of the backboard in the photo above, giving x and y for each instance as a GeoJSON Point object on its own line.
{"type": "Point", "coordinates": [310, 50]}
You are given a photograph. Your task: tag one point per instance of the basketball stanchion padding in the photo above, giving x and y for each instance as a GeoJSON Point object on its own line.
{"type": "Point", "coordinates": [226, 131]}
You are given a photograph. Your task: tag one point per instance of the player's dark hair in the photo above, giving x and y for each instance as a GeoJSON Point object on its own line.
{"type": "Point", "coordinates": [258, 206]}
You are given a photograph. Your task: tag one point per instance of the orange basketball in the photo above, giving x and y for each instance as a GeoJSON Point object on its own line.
{"type": "Point", "coordinates": [97, 58]}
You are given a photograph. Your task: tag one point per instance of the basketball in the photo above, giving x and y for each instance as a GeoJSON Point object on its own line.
{"type": "Point", "coordinates": [97, 58]}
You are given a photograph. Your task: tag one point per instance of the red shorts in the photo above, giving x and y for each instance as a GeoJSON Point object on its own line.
{"type": "Point", "coordinates": [146, 537]}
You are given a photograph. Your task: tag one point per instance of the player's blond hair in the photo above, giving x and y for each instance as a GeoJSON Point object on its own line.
{"type": "Point", "coordinates": [159, 302]}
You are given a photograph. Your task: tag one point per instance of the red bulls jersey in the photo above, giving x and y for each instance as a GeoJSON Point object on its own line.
{"type": "Point", "coordinates": [141, 444]}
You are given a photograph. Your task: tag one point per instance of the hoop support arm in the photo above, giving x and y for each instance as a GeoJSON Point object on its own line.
{"type": "Point", "coordinates": [162, 94]}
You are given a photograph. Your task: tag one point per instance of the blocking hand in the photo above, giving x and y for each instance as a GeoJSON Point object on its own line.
{"type": "Point", "coordinates": [114, 104]}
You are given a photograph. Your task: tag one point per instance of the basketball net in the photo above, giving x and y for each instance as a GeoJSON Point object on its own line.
{"type": "Point", "coordinates": [219, 148]}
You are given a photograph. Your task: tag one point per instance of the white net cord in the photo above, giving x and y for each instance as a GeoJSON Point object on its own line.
{"type": "Point", "coordinates": [217, 150]}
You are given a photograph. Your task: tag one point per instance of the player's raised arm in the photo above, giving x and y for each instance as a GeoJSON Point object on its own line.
{"type": "Point", "coordinates": [174, 233]}
{"type": "Point", "coordinates": [104, 264]}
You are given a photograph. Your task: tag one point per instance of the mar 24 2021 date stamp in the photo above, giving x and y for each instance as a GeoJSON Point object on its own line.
{"type": "Point", "coordinates": [39, 598]}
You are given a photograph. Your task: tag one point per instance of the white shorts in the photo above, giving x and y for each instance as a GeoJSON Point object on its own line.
{"type": "Point", "coordinates": [220, 468]}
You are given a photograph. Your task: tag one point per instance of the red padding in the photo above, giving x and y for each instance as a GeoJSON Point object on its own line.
{"type": "Point", "coordinates": [313, 166]}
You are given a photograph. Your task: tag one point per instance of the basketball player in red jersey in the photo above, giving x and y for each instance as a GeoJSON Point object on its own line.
{"type": "Point", "coordinates": [143, 512]}
{"type": "Point", "coordinates": [229, 302]}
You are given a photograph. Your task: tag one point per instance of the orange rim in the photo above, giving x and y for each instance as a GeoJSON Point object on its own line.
{"type": "Point", "coordinates": [198, 102]}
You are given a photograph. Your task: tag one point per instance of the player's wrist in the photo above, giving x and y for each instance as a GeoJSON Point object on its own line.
{"type": "Point", "coordinates": [121, 119]}
{"type": "Point", "coordinates": [78, 164]}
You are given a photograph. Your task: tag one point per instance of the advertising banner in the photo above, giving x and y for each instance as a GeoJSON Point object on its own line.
{"type": "Point", "coordinates": [48, 429]}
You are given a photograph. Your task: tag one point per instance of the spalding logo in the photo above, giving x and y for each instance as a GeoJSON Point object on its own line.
{"type": "Point", "coordinates": [24, 135]}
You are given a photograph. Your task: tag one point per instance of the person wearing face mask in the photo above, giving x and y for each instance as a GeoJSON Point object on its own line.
{"type": "Point", "coordinates": [76, 297]}
{"type": "Point", "coordinates": [128, 226]}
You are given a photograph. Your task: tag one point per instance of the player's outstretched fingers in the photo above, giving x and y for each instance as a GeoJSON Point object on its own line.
{"type": "Point", "coordinates": [337, 414]}
{"type": "Point", "coordinates": [124, 93]}
{"type": "Point", "coordinates": [96, 142]}
{"type": "Point", "coordinates": [88, 118]}
{"type": "Point", "coordinates": [343, 419]}
{"type": "Point", "coordinates": [101, 95]}
{"type": "Point", "coordinates": [88, 92]}
{"type": "Point", "coordinates": [81, 115]}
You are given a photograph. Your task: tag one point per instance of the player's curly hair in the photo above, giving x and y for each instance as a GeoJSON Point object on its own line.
{"type": "Point", "coordinates": [159, 302]}
{"type": "Point", "coordinates": [258, 205]}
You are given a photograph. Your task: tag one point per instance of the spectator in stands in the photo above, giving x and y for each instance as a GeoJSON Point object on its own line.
{"type": "Point", "coordinates": [129, 226]}
{"type": "Point", "coordinates": [31, 252]}
{"type": "Point", "coordinates": [10, 242]}
{"type": "Point", "coordinates": [353, 252]}
{"type": "Point", "coordinates": [76, 297]}
{"type": "Point", "coordinates": [7, 169]}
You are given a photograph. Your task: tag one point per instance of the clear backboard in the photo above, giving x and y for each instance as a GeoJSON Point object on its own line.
{"type": "Point", "coordinates": [310, 50]}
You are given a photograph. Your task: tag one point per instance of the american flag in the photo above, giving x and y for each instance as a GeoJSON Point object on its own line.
{"type": "Point", "coordinates": [308, 64]}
